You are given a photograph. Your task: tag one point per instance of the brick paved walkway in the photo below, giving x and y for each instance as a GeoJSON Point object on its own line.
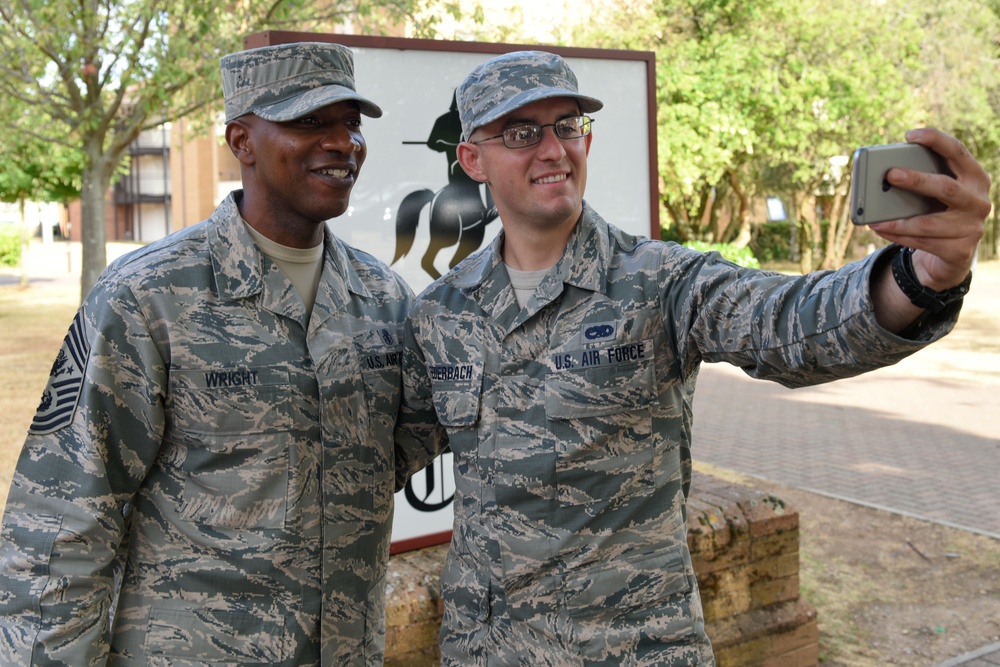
{"type": "Point", "coordinates": [921, 438]}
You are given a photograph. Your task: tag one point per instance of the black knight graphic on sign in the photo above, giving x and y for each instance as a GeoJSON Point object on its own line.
{"type": "Point", "coordinates": [458, 213]}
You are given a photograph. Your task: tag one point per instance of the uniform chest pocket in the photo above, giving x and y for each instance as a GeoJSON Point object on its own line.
{"type": "Point", "coordinates": [456, 389]}
{"type": "Point", "coordinates": [229, 438]}
{"type": "Point", "coordinates": [380, 373]}
{"type": "Point", "coordinates": [382, 380]}
{"type": "Point", "coordinates": [600, 421]}
{"type": "Point", "coordinates": [380, 353]}
{"type": "Point", "coordinates": [649, 594]}
{"type": "Point", "coordinates": [231, 401]}
{"type": "Point", "coordinates": [208, 636]}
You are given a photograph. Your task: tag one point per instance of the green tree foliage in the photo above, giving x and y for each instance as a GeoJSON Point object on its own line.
{"type": "Point", "coordinates": [962, 86]}
{"type": "Point", "coordinates": [10, 245]}
{"type": "Point", "coordinates": [771, 97]}
{"type": "Point", "coordinates": [101, 71]}
{"type": "Point", "coordinates": [33, 171]}
{"type": "Point", "coordinates": [740, 256]}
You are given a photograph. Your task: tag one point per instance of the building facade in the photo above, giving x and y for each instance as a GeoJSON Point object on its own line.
{"type": "Point", "coordinates": [174, 179]}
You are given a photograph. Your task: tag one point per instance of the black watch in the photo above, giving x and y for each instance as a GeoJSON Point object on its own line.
{"type": "Point", "coordinates": [920, 296]}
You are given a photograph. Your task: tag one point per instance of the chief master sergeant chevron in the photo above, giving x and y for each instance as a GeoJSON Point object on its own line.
{"type": "Point", "coordinates": [561, 361]}
{"type": "Point", "coordinates": [209, 480]}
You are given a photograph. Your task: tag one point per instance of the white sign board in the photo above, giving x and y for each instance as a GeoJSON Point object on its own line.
{"type": "Point", "coordinates": [411, 171]}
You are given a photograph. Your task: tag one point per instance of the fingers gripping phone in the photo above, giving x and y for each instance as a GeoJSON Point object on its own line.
{"type": "Point", "coordinates": [873, 199]}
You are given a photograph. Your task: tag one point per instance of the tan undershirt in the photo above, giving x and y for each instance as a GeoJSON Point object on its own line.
{"type": "Point", "coordinates": [302, 266]}
{"type": "Point", "coordinates": [525, 282]}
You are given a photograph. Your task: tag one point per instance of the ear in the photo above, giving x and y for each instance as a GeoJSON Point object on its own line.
{"type": "Point", "coordinates": [589, 138]}
{"type": "Point", "coordinates": [238, 138]}
{"type": "Point", "coordinates": [469, 158]}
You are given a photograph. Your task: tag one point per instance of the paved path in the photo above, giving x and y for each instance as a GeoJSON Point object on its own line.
{"type": "Point", "coordinates": [921, 438]}
{"type": "Point", "coordinates": [56, 263]}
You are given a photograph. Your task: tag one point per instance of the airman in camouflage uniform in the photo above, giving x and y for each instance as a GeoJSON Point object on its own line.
{"type": "Point", "coordinates": [568, 405]}
{"type": "Point", "coordinates": [209, 479]}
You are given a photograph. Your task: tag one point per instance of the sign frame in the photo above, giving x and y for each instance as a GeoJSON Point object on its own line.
{"type": "Point", "coordinates": [439, 531]}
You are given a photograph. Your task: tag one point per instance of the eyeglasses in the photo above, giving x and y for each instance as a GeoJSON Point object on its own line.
{"type": "Point", "coordinates": [529, 134]}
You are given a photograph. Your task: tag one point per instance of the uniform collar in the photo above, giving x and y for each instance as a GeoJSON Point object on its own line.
{"type": "Point", "coordinates": [583, 266]}
{"type": "Point", "coordinates": [584, 262]}
{"type": "Point", "coordinates": [238, 262]}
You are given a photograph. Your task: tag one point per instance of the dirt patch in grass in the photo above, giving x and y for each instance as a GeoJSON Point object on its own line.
{"type": "Point", "coordinates": [889, 589]}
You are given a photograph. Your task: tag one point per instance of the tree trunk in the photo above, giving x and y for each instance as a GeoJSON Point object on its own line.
{"type": "Point", "coordinates": [806, 235]}
{"type": "Point", "coordinates": [705, 214]}
{"type": "Point", "coordinates": [838, 232]}
{"type": "Point", "coordinates": [93, 234]}
{"type": "Point", "coordinates": [990, 247]}
{"type": "Point", "coordinates": [846, 231]}
{"type": "Point", "coordinates": [742, 237]}
{"type": "Point", "coordinates": [23, 279]}
{"type": "Point", "coordinates": [682, 227]}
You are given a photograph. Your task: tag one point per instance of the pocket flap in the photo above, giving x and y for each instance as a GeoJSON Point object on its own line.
{"type": "Point", "coordinates": [619, 379]}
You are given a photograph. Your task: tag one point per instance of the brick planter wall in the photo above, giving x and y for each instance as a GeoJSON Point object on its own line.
{"type": "Point", "coordinates": [745, 547]}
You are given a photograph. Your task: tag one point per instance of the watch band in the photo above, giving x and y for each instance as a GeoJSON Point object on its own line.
{"type": "Point", "coordinates": [920, 296]}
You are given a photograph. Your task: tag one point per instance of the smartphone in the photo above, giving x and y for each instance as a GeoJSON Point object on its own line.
{"type": "Point", "coordinates": [874, 200]}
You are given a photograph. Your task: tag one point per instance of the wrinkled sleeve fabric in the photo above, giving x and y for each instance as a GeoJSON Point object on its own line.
{"type": "Point", "coordinates": [92, 442]}
{"type": "Point", "coordinates": [794, 330]}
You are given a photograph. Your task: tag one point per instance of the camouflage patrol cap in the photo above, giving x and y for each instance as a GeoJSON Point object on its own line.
{"type": "Point", "coordinates": [287, 81]}
{"type": "Point", "coordinates": [508, 82]}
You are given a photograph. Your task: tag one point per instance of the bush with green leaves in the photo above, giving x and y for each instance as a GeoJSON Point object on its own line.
{"type": "Point", "coordinates": [772, 242]}
{"type": "Point", "coordinates": [10, 245]}
{"type": "Point", "coordinates": [740, 256]}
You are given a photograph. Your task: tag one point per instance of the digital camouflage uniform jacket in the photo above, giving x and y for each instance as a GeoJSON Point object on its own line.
{"type": "Point", "coordinates": [233, 457]}
{"type": "Point", "coordinates": [570, 424]}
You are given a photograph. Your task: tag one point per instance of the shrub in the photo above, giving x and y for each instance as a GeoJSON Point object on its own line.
{"type": "Point", "coordinates": [772, 242]}
{"type": "Point", "coordinates": [740, 256]}
{"type": "Point", "coordinates": [10, 245]}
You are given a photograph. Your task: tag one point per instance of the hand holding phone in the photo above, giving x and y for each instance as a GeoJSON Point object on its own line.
{"type": "Point", "coordinates": [873, 199]}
